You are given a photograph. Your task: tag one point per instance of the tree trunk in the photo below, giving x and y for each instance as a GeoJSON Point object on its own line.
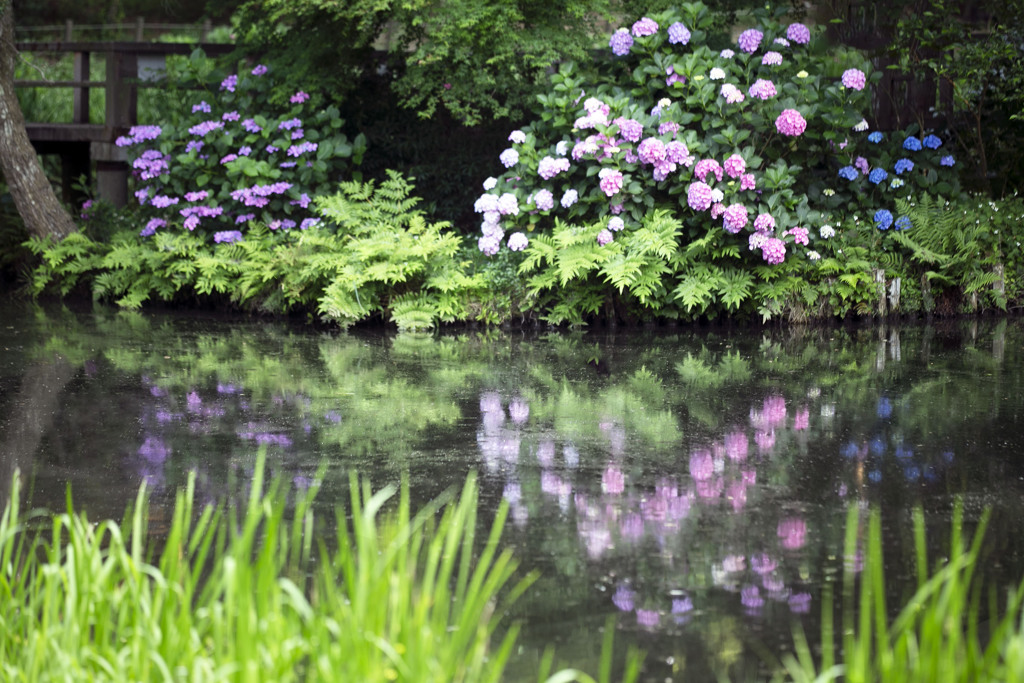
{"type": "Point", "coordinates": [33, 195]}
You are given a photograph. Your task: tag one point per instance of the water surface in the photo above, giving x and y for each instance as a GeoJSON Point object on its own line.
{"type": "Point", "coordinates": [692, 483]}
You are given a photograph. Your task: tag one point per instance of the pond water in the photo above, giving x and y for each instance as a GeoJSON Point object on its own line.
{"type": "Point", "coordinates": [691, 483]}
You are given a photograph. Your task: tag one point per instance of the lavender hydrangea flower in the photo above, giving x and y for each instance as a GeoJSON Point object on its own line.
{"type": "Point", "coordinates": [630, 129]}
{"type": "Point", "coordinates": [798, 33]}
{"type": "Point", "coordinates": [489, 245]}
{"type": "Point", "coordinates": [854, 79]}
{"type": "Point", "coordinates": [517, 241]}
{"type": "Point", "coordinates": [308, 223]}
{"type": "Point", "coordinates": [196, 196]}
{"type": "Point", "coordinates": [677, 152]}
{"type": "Point", "coordinates": [230, 116]}
{"type": "Point", "coordinates": [947, 160]}
{"type": "Point", "coordinates": [570, 197]}
{"type": "Point", "coordinates": [771, 59]}
{"type": "Point", "coordinates": [549, 167]}
{"type": "Point", "coordinates": [229, 83]}
{"type": "Point", "coordinates": [299, 97]}
{"type": "Point", "coordinates": [204, 128]}
{"type": "Point", "coordinates": [201, 107]}
{"type": "Point", "coordinates": [508, 205]}
{"type": "Point", "coordinates": [620, 42]}
{"type": "Point", "coordinates": [678, 34]}
{"type": "Point", "coordinates": [259, 70]}
{"type": "Point", "coordinates": [161, 201]}
{"type": "Point", "coordinates": [790, 122]}
{"type": "Point", "coordinates": [645, 27]}
{"type": "Point", "coordinates": [544, 200]}
{"type": "Point", "coordinates": [651, 151]}
{"type": "Point", "coordinates": [137, 134]}
{"type": "Point", "coordinates": [726, 54]}
{"type": "Point", "coordinates": [615, 224]}
{"type": "Point", "coordinates": [251, 126]}
{"type": "Point", "coordinates": [152, 225]}
{"type": "Point", "coordinates": [509, 158]}
{"type": "Point", "coordinates": [861, 164]}
{"type": "Point", "coordinates": [750, 40]}
{"type": "Point", "coordinates": [227, 236]}
{"type": "Point", "coordinates": [604, 237]}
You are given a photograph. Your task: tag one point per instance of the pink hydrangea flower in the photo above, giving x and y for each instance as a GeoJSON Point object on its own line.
{"type": "Point", "coordinates": [698, 196]}
{"type": "Point", "coordinates": [604, 237]}
{"type": "Point", "coordinates": [611, 181]}
{"type": "Point", "coordinates": [747, 182]}
{"type": "Point", "coordinates": [630, 129]}
{"type": "Point", "coordinates": [735, 166]}
{"type": "Point", "coordinates": [854, 79]}
{"type": "Point", "coordinates": [732, 94]}
{"type": "Point", "coordinates": [645, 27]}
{"type": "Point", "coordinates": [773, 251]}
{"type": "Point", "coordinates": [705, 166]}
{"type": "Point", "coordinates": [762, 89]}
{"type": "Point", "coordinates": [544, 200]}
{"type": "Point", "coordinates": [800, 235]}
{"type": "Point", "coordinates": [764, 222]}
{"type": "Point", "coordinates": [717, 209]}
{"type": "Point", "coordinates": [651, 151]}
{"type": "Point", "coordinates": [676, 152]}
{"type": "Point", "coordinates": [735, 218]}
{"type": "Point", "coordinates": [791, 122]}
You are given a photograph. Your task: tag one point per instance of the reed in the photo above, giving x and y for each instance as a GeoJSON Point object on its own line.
{"type": "Point", "coordinates": [940, 634]}
{"type": "Point", "coordinates": [256, 595]}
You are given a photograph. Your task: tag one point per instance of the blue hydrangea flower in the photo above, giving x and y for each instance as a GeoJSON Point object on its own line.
{"type": "Point", "coordinates": [883, 219]}
{"type": "Point", "coordinates": [877, 175]}
{"type": "Point", "coordinates": [904, 165]}
{"type": "Point", "coordinates": [848, 172]}
{"type": "Point", "coordinates": [903, 223]}
{"type": "Point", "coordinates": [947, 160]}
{"type": "Point", "coordinates": [875, 137]}
{"type": "Point", "coordinates": [913, 144]}
{"type": "Point", "coordinates": [932, 142]}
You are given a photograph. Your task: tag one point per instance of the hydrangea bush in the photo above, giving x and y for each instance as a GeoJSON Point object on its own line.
{"type": "Point", "coordinates": [236, 154]}
{"type": "Point", "coordinates": [684, 163]}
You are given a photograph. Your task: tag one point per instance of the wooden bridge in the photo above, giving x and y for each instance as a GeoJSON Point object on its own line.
{"type": "Point", "coordinates": [80, 144]}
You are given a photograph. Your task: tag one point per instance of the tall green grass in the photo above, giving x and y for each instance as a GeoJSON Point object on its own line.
{"type": "Point", "coordinates": [940, 634]}
{"type": "Point", "coordinates": [256, 595]}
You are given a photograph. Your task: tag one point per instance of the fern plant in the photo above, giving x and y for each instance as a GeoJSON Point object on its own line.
{"type": "Point", "coordinates": [955, 247]}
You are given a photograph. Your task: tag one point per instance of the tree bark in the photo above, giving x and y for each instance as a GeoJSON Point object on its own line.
{"type": "Point", "coordinates": [37, 203]}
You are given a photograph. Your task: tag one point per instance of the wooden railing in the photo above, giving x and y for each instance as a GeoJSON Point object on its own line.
{"type": "Point", "coordinates": [137, 31]}
{"type": "Point", "coordinates": [80, 142]}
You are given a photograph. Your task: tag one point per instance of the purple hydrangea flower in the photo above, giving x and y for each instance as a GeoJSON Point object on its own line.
{"type": "Point", "coordinates": [202, 106]}
{"type": "Point", "coordinates": [750, 40]}
{"type": "Point", "coordinates": [645, 27]}
{"type": "Point", "coordinates": [651, 151]}
{"type": "Point", "coordinates": [517, 241]}
{"type": "Point", "coordinates": [678, 34]}
{"type": "Point", "coordinates": [705, 166]}
{"type": "Point", "coordinates": [677, 152]}
{"type": "Point", "coordinates": [137, 134]}
{"type": "Point", "coordinates": [299, 97]}
{"type": "Point", "coordinates": [854, 79]}
{"type": "Point", "coordinates": [230, 116]}
{"type": "Point", "coordinates": [308, 223]}
{"type": "Point", "coordinates": [228, 158]}
{"type": "Point", "coordinates": [251, 126]}
{"type": "Point", "coordinates": [698, 196]}
{"type": "Point", "coordinates": [202, 129]}
{"type": "Point", "coordinates": [229, 83]}
{"type": "Point", "coordinates": [947, 160]}
{"type": "Point", "coordinates": [861, 164]}
{"type": "Point", "coordinates": [798, 33]}
{"type": "Point", "coordinates": [290, 124]}
{"type": "Point", "coordinates": [244, 151]}
{"type": "Point", "coordinates": [771, 59]}
{"type": "Point", "coordinates": [790, 122]}
{"type": "Point", "coordinates": [489, 245]}
{"type": "Point", "coordinates": [604, 237]}
{"type": "Point", "coordinates": [152, 225]}
{"type": "Point", "coordinates": [259, 70]}
{"type": "Point", "coordinates": [196, 196]}
{"type": "Point", "coordinates": [163, 201]}
{"type": "Point", "coordinates": [620, 42]}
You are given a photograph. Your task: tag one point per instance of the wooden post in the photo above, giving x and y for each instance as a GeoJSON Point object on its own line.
{"type": "Point", "coordinates": [80, 106]}
{"type": "Point", "coordinates": [205, 33]}
{"type": "Point", "coordinates": [68, 30]}
{"type": "Point", "coordinates": [894, 294]}
{"type": "Point", "coordinates": [140, 29]}
{"type": "Point", "coordinates": [880, 284]}
{"type": "Point", "coordinates": [112, 171]}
